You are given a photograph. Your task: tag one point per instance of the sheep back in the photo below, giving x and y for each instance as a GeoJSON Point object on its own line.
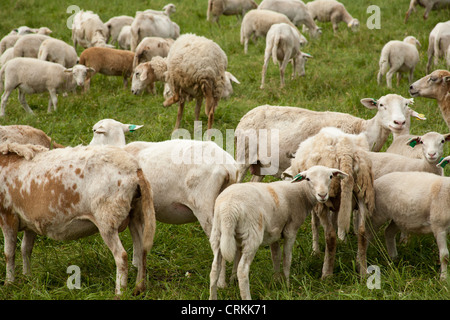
{"type": "Point", "coordinates": [107, 61]}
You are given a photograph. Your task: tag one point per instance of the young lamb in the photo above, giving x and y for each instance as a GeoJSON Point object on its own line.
{"type": "Point", "coordinates": [421, 207]}
{"type": "Point", "coordinates": [152, 25]}
{"type": "Point", "coordinates": [248, 215]}
{"type": "Point", "coordinates": [31, 75]}
{"type": "Point", "coordinates": [283, 44]}
{"type": "Point", "coordinates": [151, 47]}
{"type": "Point", "coordinates": [88, 30]}
{"type": "Point", "coordinates": [28, 45]}
{"type": "Point", "coordinates": [257, 22]}
{"type": "Point", "coordinates": [195, 70]}
{"type": "Point", "coordinates": [439, 44]}
{"type": "Point", "coordinates": [146, 74]}
{"type": "Point", "coordinates": [58, 51]}
{"type": "Point", "coordinates": [124, 38]}
{"type": "Point", "coordinates": [347, 152]}
{"type": "Point", "coordinates": [435, 86]}
{"type": "Point", "coordinates": [111, 132]}
{"type": "Point", "coordinates": [428, 5]}
{"type": "Point", "coordinates": [239, 8]}
{"type": "Point", "coordinates": [109, 62]}
{"type": "Point", "coordinates": [398, 57]}
{"type": "Point", "coordinates": [296, 11]}
{"type": "Point", "coordinates": [115, 25]}
{"type": "Point", "coordinates": [71, 193]}
{"type": "Point", "coordinates": [332, 11]}
{"type": "Point", "coordinates": [293, 125]}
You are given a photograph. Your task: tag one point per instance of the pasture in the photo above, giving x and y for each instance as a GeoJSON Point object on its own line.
{"type": "Point", "coordinates": [342, 72]}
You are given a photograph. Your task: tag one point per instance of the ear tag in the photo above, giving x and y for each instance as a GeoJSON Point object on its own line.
{"type": "Point", "coordinates": [413, 143]}
{"type": "Point", "coordinates": [374, 101]}
{"type": "Point", "coordinates": [444, 163]}
{"type": "Point", "coordinates": [132, 127]}
{"type": "Point", "coordinates": [421, 116]}
{"type": "Point", "coordinates": [298, 177]}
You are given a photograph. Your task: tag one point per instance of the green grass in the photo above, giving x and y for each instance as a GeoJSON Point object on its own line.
{"type": "Point", "coordinates": [342, 72]}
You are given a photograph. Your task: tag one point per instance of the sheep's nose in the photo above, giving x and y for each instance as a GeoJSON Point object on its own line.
{"type": "Point", "coordinates": [322, 196]}
{"type": "Point", "coordinates": [432, 155]}
{"type": "Point", "coordinates": [411, 87]}
{"type": "Point", "coordinates": [400, 123]}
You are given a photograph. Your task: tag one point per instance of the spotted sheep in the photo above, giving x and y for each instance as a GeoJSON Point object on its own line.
{"type": "Point", "coordinates": [70, 193]}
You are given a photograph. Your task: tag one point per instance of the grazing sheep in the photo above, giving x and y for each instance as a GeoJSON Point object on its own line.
{"type": "Point", "coordinates": [421, 207]}
{"type": "Point", "coordinates": [398, 57]}
{"type": "Point", "coordinates": [296, 11]}
{"type": "Point", "coordinates": [332, 11]}
{"type": "Point", "coordinates": [88, 30]}
{"type": "Point", "coordinates": [58, 51]}
{"type": "Point", "coordinates": [111, 132]}
{"type": "Point", "coordinates": [151, 47]}
{"type": "Point", "coordinates": [109, 62]}
{"type": "Point", "coordinates": [435, 86]}
{"type": "Point", "coordinates": [428, 5]}
{"type": "Point", "coordinates": [71, 193]}
{"type": "Point", "coordinates": [152, 25]}
{"type": "Point", "coordinates": [439, 44]}
{"type": "Point", "coordinates": [31, 75]}
{"type": "Point", "coordinates": [24, 134]}
{"type": "Point", "coordinates": [293, 125]}
{"type": "Point", "coordinates": [196, 69]}
{"type": "Point", "coordinates": [115, 25]}
{"type": "Point", "coordinates": [248, 215]}
{"type": "Point", "coordinates": [283, 44]}
{"type": "Point", "coordinates": [28, 45]}
{"type": "Point", "coordinates": [257, 22]}
{"type": "Point", "coordinates": [146, 74]}
{"type": "Point", "coordinates": [239, 8]}
{"type": "Point", "coordinates": [124, 39]}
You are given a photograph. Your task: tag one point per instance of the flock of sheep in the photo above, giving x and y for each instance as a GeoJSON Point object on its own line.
{"type": "Point", "coordinates": [329, 161]}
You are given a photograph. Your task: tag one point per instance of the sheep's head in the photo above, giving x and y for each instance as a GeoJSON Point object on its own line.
{"type": "Point", "coordinates": [319, 179]}
{"type": "Point", "coordinates": [412, 40]}
{"type": "Point", "coordinates": [143, 76]}
{"type": "Point", "coordinates": [80, 73]}
{"type": "Point", "coordinates": [432, 145]}
{"type": "Point", "coordinates": [301, 58]}
{"type": "Point", "coordinates": [436, 85]}
{"type": "Point", "coordinates": [228, 89]}
{"type": "Point", "coordinates": [111, 132]}
{"type": "Point", "coordinates": [354, 25]}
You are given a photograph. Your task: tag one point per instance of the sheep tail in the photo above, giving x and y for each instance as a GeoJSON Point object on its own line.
{"type": "Point", "coordinates": [148, 211]}
{"type": "Point", "coordinates": [275, 42]}
{"type": "Point", "coordinates": [224, 228]}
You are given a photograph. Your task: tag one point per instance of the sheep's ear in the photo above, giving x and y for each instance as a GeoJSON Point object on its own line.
{"type": "Point", "coordinates": [287, 174]}
{"type": "Point", "coordinates": [446, 79]}
{"type": "Point", "coordinates": [299, 177]}
{"type": "Point", "coordinates": [99, 130]}
{"type": "Point", "coordinates": [447, 137]}
{"type": "Point", "coordinates": [369, 103]}
{"type": "Point", "coordinates": [143, 75]}
{"type": "Point", "coordinates": [90, 69]}
{"type": "Point", "coordinates": [130, 127]}
{"type": "Point", "coordinates": [339, 174]}
{"type": "Point", "coordinates": [233, 78]}
{"type": "Point", "coordinates": [416, 115]}
{"type": "Point", "coordinates": [443, 162]}
{"type": "Point", "coordinates": [68, 70]}
{"type": "Point", "coordinates": [307, 55]}
{"type": "Point", "coordinates": [413, 141]}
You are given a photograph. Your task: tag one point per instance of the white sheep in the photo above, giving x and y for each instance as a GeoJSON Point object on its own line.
{"type": "Point", "coordinates": [293, 125]}
{"type": "Point", "coordinates": [428, 4]}
{"type": "Point", "coordinates": [195, 70]}
{"type": "Point", "coordinates": [414, 202]}
{"type": "Point", "coordinates": [398, 57]}
{"type": "Point", "coordinates": [124, 38]}
{"type": "Point", "coordinates": [88, 30]}
{"type": "Point", "coordinates": [257, 22]}
{"type": "Point", "coordinates": [28, 45]}
{"type": "Point", "coordinates": [147, 73]}
{"type": "Point", "coordinates": [6, 56]}
{"type": "Point", "coordinates": [111, 132]}
{"type": "Point", "coordinates": [8, 41]}
{"type": "Point", "coordinates": [439, 44]}
{"type": "Point", "coordinates": [152, 25]}
{"type": "Point", "coordinates": [167, 10]}
{"type": "Point", "coordinates": [296, 11]}
{"type": "Point", "coordinates": [239, 8]}
{"type": "Point", "coordinates": [23, 30]}
{"type": "Point", "coordinates": [249, 215]}
{"type": "Point", "coordinates": [55, 50]}
{"type": "Point", "coordinates": [150, 47]}
{"type": "Point", "coordinates": [31, 75]}
{"type": "Point", "coordinates": [332, 11]}
{"type": "Point", "coordinates": [115, 25]}
{"type": "Point", "coordinates": [283, 44]}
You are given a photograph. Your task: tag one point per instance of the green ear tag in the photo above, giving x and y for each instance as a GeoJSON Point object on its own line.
{"type": "Point", "coordinates": [413, 143]}
{"type": "Point", "coordinates": [374, 101]}
{"type": "Point", "coordinates": [443, 164]}
{"type": "Point", "coordinates": [298, 177]}
{"type": "Point", "coordinates": [132, 127]}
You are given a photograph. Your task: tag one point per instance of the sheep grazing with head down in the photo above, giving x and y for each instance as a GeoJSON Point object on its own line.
{"type": "Point", "coordinates": [248, 215]}
{"type": "Point", "coordinates": [331, 11]}
{"type": "Point", "coordinates": [88, 30]}
{"type": "Point", "coordinates": [195, 70]}
{"type": "Point", "coordinates": [239, 8]}
{"type": "Point", "coordinates": [428, 5]}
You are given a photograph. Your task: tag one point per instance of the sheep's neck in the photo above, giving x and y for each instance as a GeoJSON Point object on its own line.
{"type": "Point", "coordinates": [376, 134]}
{"type": "Point", "coordinates": [444, 105]}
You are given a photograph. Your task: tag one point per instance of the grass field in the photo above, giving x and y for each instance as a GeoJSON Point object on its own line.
{"type": "Point", "coordinates": [342, 72]}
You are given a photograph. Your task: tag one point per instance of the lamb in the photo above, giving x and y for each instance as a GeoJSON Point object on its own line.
{"type": "Point", "coordinates": [257, 22]}
{"type": "Point", "coordinates": [124, 38]}
{"type": "Point", "coordinates": [24, 134]}
{"type": "Point", "coordinates": [413, 146]}
{"type": "Point", "coordinates": [196, 69]}
{"type": "Point", "coordinates": [107, 61]}
{"type": "Point", "coordinates": [293, 125]}
{"type": "Point", "coordinates": [115, 25]}
{"type": "Point", "coordinates": [332, 11]}
{"type": "Point", "coordinates": [151, 47]}
{"type": "Point", "coordinates": [435, 85]}
{"type": "Point", "coordinates": [421, 207]}
{"type": "Point", "coordinates": [439, 44]}
{"type": "Point", "coordinates": [428, 5]}
{"type": "Point", "coordinates": [58, 51]}
{"type": "Point", "coordinates": [63, 194]}
{"type": "Point", "coordinates": [296, 11]}
{"type": "Point", "coordinates": [28, 45]}
{"type": "Point", "coordinates": [283, 44]}
{"type": "Point", "coordinates": [400, 56]}
{"type": "Point", "coordinates": [146, 74]}
{"type": "Point", "coordinates": [249, 215]}
{"type": "Point", "coordinates": [152, 25]}
{"type": "Point", "coordinates": [88, 30]}
{"type": "Point", "coordinates": [31, 75]}
{"type": "Point", "coordinates": [347, 152]}
{"type": "Point", "coordinates": [239, 8]}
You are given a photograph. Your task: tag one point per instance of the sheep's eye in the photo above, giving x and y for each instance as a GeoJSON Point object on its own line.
{"type": "Point", "coordinates": [331, 177]}
{"type": "Point", "coordinates": [433, 79]}
{"type": "Point", "coordinates": [442, 141]}
{"type": "Point", "coordinates": [307, 179]}
{"type": "Point", "coordinates": [381, 105]}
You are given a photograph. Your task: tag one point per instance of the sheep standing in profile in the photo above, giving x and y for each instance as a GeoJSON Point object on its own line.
{"type": "Point", "coordinates": [239, 8]}
{"type": "Point", "coordinates": [439, 44]}
{"type": "Point", "coordinates": [332, 11]}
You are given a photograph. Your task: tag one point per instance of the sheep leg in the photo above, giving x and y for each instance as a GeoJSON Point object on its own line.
{"type": "Point", "coordinates": [180, 114]}
{"type": "Point", "coordinates": [411, 75]}
{"type": "Point", "coordinates": [264, 69]}
{"type": "Point", "coordinates": [136, 226]}
{"type": "Point", "coordinates": [335, 21]}
{"type": "Point", "coordinates": [23, 102]}
{"type": "Point", "coordinates": [389, 76]}
{"type": "Point", "coordinates": [276, 257]}
{"type": "Point", "coordinates": [283, 69]}
{"type": "Point", "coordinates": [362, 238]}
{"type": "Point", "coordinates": [210, 104]}
{"type": "Point", "coordinates": [315, 225]}
{"type": "Point", "coordinates": [441, 239]}
{"type": "Point", "coordinates": [243, 273]}
{"type": "Point", "coordinates": [173, 99]}
{"type": "Point", "coordinates": [10, 228]}
{"type": "Point", "coordinates": [237, 258]}
{"type": "Point", "coordinates": [53, 100]}
{"type": "Point", "coordinates": [198, 105]}
{"type": "Point", "coordinates": [428, 8]}
{"type": "Point", "coordinates": [216, 269]}
{"type": "Point", "coordinates": [389, 235]}
{"type": "Point", "coordinates": [5, 97]}
{"type": "Point", "coordinates": [287, 254]}
{"type": "Point", "coordinates": [330, 242]}
{"type": "Point", "coordinates": [125, 82]}
{"type": "Point", "coordinates": [26, 248]}
{"type": "Point", "coordinates": [399, 78]}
